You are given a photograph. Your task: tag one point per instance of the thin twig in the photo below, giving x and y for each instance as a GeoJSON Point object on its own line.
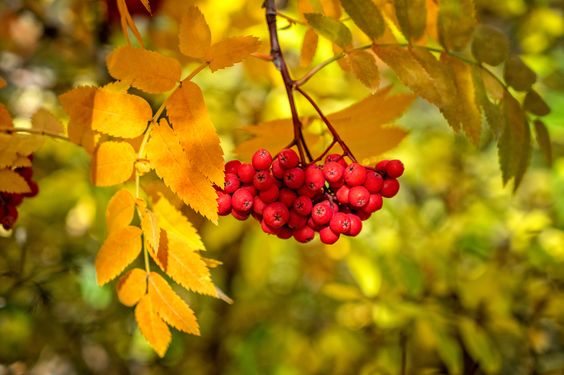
{"type": "Point", "coordinates": [34, 131]}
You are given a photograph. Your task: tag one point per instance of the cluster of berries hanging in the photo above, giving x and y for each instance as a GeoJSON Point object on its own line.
{"type": "Point", "coordinates": [10, 201]}
{"type": "Point", "coordinates": [291, 200]}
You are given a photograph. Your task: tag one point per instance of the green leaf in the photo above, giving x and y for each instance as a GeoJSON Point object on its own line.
{"type": "Point", "coordinates": [493, 111]}
{"type": "Point", "coordinates": [412, 17]}
{"type": "Point", "coordinates": [535, 104]}
{"type": "Point", "coordinates": [366, 16]}
{"type": "Point", "coordinates": [518, 75]}
{"type": "Point", "coordinates": [514, 146]}
{"type": "Point", "coordinates": [490, 45]}
{"type": "Point", "coordinates": [480, 346]}
{"type": "Point", "coordinates": [543, 140]}
{"type": "Point", "coordinates": [456, 23]}
{"type": "Point", "coordinates": [330, 28]}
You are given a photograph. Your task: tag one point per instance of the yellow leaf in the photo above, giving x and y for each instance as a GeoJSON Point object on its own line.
{"type": "Point", "coordinates": [363, 126]}
{"type": "Point", "coordinates": [2, 83]}
{"type": "Point", "coordinates": [120, 114]}
{"type": "Point", "coordinates": [44, 120]}
{"type": "Point", "coordinates": [146, 70]}
{"type": "Point", "coordinates": [118, 251]}
{"type": "Point", "coordinates": [194, 34]}
{"type": "Point", "coordinates": [12, 182]}
{"type": "Point", "coordinates": [113, 163]}
{"type": "Point", "coordinates": [152, 327]}
{"type": "Point", "coordinates": [189, 117]}
{"type": "Point", "coordinates": [151, 230]}
{"type": "Point", "coordinates": [132, 286]}
{"type": "Point", "coordinates": [176, 224]}
{"type": "Point", "coordinates": [13, 146]}
{"type": "Point", "coordinates": [5, 118]}
{"type": "Point", "coordinates": [184, 265]}
{"type": "Point", "coordinates": [170, 307]}
{"type": "Point", "coordinates": [363, 65]}
{"type": "Point", "coordinates": [309, 46]}
{"type": "Point", "coordinates": [76, 103]}
{"type": "Point", "coordinates": [456, 23]}
{"type": "Point", "coordinates": [119, 212]}
{"type": "Point", "coordinates": [179, 174]}
{"type": "Point", "coordinates": [21, 161]}
{"type": "Point", "coordinates": [230, 51]}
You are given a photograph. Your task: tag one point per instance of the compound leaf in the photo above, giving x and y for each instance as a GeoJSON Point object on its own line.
{"type": "Point", "coordinates": [152, 327]}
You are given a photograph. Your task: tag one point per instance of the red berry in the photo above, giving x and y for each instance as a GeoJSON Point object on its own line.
{"type": "Point", "coordinates": [287, 197]}
{"type": "Point", "coordinates": [261, 159]}
{"type": "Point", "coordinates": [284, 233]}
{"type": "Point", "coordinates": [250, 188]}
{"type": "Point", "coordinates": [343, 194]}
{"type": "Point", "coordinates": [373, 182]}
{"type": "Point", "coordinates": [337, 184]}
{"type": "Point", "coordinates": [304, 234]}
{"type": "Point", "coordinates": [258, 206]}
{"type": "Point", "coordinates": [263, 180]}
{"type": "Point", "coordinates": [288, 158]}
{"type": "Point", "coordinates": [246, 172]}
{"type": "Point", "coordinates": [340, 223]}
{"type": "Point", "coordinates": [336, 158]}
{"type": "Point", "coordinates": [381, 166]}
{"type": "Point", "coordinates": [394, 168]}
{"type": "Point", "coordinates": [267, 228]}
{"type": "Point", "coordinates": [314, 178]}
{"type": "Point", "coordinates": [276, 214]}
{"type": "Point", "coordinates": [390, 188]}
{"type": "Point", "coordinates": [9, 218]}
{"type": "Point", "coordinates": [294, 178]}
{"type": "Point", "coordinates": [25, 172]}
{"type": "Point", "coordinates": [232, 183]}
{"type": "Point", "coordinates": [34, 189]}
{"type": "Point", "coordinates": [277, 170]}
{"type": "Point", "coordinates": [296, 220]}
{"type": "Point", "coordinates": [358, 196]}
{"type": "Point", "coordinates": [333, 171]}
{"type": "Point", "coordinates": [321, 213]}
{"type": "Point", "coordinates": [374, 203]}
{"type": "Point", "coordinates": [223, 203]}
{"type": "Point", "coordinates": [356, 225]}
{"type": "Point", "coordinates": [355, 174]}
{"type": "Point", "coordinates": [269, 195]}
{"type": "Point", "coordinates": [363, 215]}
{"type": "Point", "coordinates": [232, 166]}
{"type": "Point", "coordinates": [303, 205]}
{"type": "Point", "coordinates": [242, 200]}
{"type": "Point", "coordinates": [327, 236]}
{"type": "Point", "coordinates": [305, 191]}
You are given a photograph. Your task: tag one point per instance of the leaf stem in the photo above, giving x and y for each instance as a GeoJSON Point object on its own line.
{"type": "Point", "coordinates": [290, 19]}
{"type": "Point", "coordinates": [34, 131]}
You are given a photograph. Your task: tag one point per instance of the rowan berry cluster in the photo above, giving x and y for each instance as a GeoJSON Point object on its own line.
{"type": "Point", "coordinates": [289, 199]}
{"type": "Point", "coordinates": [10, 201]}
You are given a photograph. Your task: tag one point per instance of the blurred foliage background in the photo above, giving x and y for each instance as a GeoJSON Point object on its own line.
{"type": "Point", "coordinates": [455, 275]}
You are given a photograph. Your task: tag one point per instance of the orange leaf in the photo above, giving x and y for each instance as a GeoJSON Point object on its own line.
{"type": "Point", "coordinates": [14, 146]}
{"type": "Point", "coordinates": [119, 212]}
{"type": "Point", "coordinates": [132, 286]}
{"type": "Point", "coordinates": [309, 46]}
{"type": "Point", "coordinates": [194, 35]}
{"type": "Point", "coordinates": [146, 70]}
{"type": "Point", "coordinates": [78, 103]}
{"type": "Point", "coordinates": [184, 265]}
{"type": "Point", "coordinates": [5, 118]}
{"type": "Point", "coordinates": [118, 251]}
{"type": "Point", "coordinates": [189, 117]}
{"type": "Point", "coordinates": [182, 176]}
{"type": "Point", "coordinates": [152, 327]}
{"type": "Point", "coordinates": [363, 65]}
{"type": "Point", "coordinates": [230, 51]}
{"type": "Point", "coordinates": [12, 182]}
{"type": "Point", "coordinates": [177, 225]}
{"type": "Point", "coordinates": [44, 120]}
{"type": "Point", "coordinates": [113, 163]}
{"type": "Point", "coordinates": [151, 230]}
{"type": "Point", "coordinates": [170, 307]}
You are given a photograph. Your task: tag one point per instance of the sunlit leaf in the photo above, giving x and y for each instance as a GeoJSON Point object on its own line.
{"type": "Point", "coordinates": [412, 17]}
{"type": "Point", "coordinates": [146, 70]}
{"type": "Point", "coordinates": [330, 28]}
{"type": "Point", "coordinates": [535, 104]}
{"type": "Point", "coordinates": [543, 140]}
{"type": "Point", "coordinates": [180, 174]}
{"type": "Point", "coordinates": [309, 47]}
{"type": "Point", "coordinates": [118, 251]}
{"type": "Point", "coordinates": [518, 75]}
{"type": "Point", "coordinates": [151, 230]}
{"type": "Point", "coordinates": [12, 182]}
{"type": "Point", "coordinates": [119, 212]}
{"type": "Point", "coordinates": [363, 65]}
{"type": "Point", "coordinates": [189, 117]}
{"type": "Point", "coordinates": [231, 51]}
{"type": "Point", "coordinates": [170, 307]}
{"type": "Point", "coordinates": [13, 146]}
{"type": "Point", "coordinates": [456, 23]}
{"type": "Point", "coordinates": [366, 16]}
{"type": "Point", "coordinates": [44, 120]}
{"type": "Point", "coordinates": [331, 8]}
{"type": "Point", "coordinates": [490, 45]}
{"type": "Point", "coordinates": [152, 327]}
{"type": "Point", "coordinates": [194, 34]}
{"type": "Point", "coordinates": [132, 286]}
{"type": "Point", "coordinates": [113, 163]}
{"type": "Point", "coordinates": [5, 118]}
